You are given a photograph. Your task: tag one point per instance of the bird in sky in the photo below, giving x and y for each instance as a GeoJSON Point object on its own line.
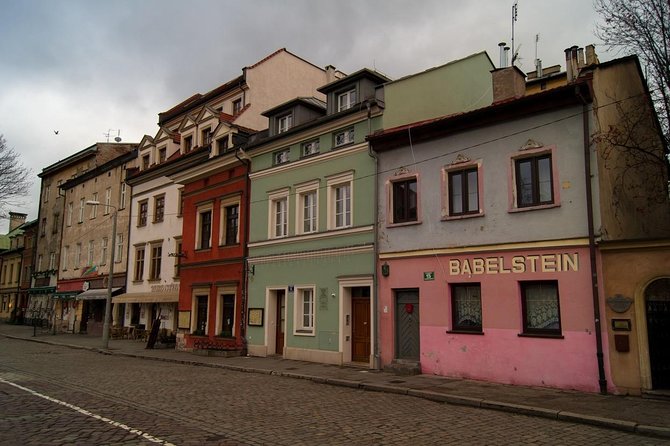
{"type": "Point", "coordinates": [56, 131]}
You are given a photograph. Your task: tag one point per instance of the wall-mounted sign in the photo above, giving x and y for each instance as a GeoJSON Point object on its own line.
{"type": "Point", "coordinates": [621, 324]}
{"type": "Point", "coordinates": [86, 286]}
{"type": "Point", "coordinates": [429, 275]}
{"type": "Point", "coordinates": [256, 317]}
{"type": "Point", "coordinates": [619, 303]}
{"type": "Point", "coordinates": [184, 320]}
{"type": "Point", "coordinates": [291, 288]}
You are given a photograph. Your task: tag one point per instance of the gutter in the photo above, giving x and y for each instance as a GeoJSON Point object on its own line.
{"type": "Point", "coordinates": [376, 359]}
{"type": "Point", "coordinates": [245, 252]}
{"type": "Point", "coordinates": [602, 381]}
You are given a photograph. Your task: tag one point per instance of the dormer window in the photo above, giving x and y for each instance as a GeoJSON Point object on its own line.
{"type": "Point", "coordinates": [162, 155]}
{"type": "Point", "coordinates": [145, 162]}
{"type": "Point", "coordinates": [237, 106]}
{"type": "Point", "coordinates": [284, 123]}
{"type": "Point", "coordinates": [346, 100]}
{"type": "Point", "coordinates": [206, 136]}
{"type": "Point", "coordinates": [281, 157]}
{"type": "Point", "coordinates": [222, 144]}
{"type": "Point", "coordinates": [188, 143]}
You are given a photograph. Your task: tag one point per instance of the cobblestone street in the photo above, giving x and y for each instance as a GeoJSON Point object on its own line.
{"type": "Point", "coordinates": [60, 396]}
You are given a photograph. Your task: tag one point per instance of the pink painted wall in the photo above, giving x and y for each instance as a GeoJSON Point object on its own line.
{"type": "Point", "coordinates": [499, 355]}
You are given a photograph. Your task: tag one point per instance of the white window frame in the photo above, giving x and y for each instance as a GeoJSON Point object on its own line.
{"type": "Point", "coordinates": [52, 260]}
{"type": "Point", "coordinates": [333, 183]}
{"type": "Point", "coordinates": [199, 211]}
{"type": "Point", "coordinates": [348, 137]}
{"type": "Point", "coordinates": [346, 100]}
{"type": "Point", "coordinates": [119, 248]}
{"type": "Point", "coordinates": [155, 263]}
{"type": "Point", "coordinates": [122, 198]}
{"type": "Point", "coordinates": [273, 200]}
{"type": "Point", "coordinates": [90, 252]}
{"type": "Point", "coordinates": [77, 258]}
{"type": "Point", "coordinates": [39, 262]}
{"type": "Point", "coordinates": [301, 192]}
{"type": "Point", "coordinates": [446, 189]}
{"type": "Point", "coordinates": [94, 208]}
{"type": "Point", "coordinates": [231, 201]}
{"type": "Point", "coordinates": [66, 250]}
{"type": "Point", "coordinates": [284, 123]}
{"type": "Point", "coordinates": [108, 200]}
{"type": "Point", "coordinates": [310, 148]}
{"type": "Point", "coordinates": [103, 250]}
{"type": "Point", "coordinates": [281, 157]}
{"type": "Point", "coordinates": [299, 326]}
{"type": "Point", "coordinates": [70, 211]}
{"type": "Point", "coordinates": [82, 204]}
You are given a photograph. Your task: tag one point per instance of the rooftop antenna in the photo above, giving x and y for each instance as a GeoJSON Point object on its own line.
{"type": "Point", "coordinates": [515, 52]}
{"type": "Point", "coordinates": [110, 132]}
{"type": "Point", "coordinates": [538, 62]}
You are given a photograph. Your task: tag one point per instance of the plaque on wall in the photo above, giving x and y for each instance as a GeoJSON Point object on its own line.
{"type": "Point", "coordinates": [256, 317]}
{"type": "Point", "coordinates": [619, 303]}
{"type": "Point", "coordinates": [184, 320]}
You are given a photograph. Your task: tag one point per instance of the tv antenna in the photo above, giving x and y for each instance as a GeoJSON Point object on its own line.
{"type": "Point", "coordinates": [515, 51]}
{"type": "Point", "coordinates": [110, 132]}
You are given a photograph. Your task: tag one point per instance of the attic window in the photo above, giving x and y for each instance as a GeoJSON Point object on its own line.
{"type": "Point", "coordinates": [145, 162]}
{"type": "Point", "coordinates": [237, 106]}
{"type": "Point", "coordinates": [206, 136]}
{"type": "Point", "coordinates": [281, 157]}
{"type": "Point", "coordinates": [162, 154]}
{"type": "Point", "coordinates": [222, 144]}
{"type": "Point", "coordinates": [188, 143]}
{"type": "Point", "coordinates": [284, 123]}
{"type": "Point", "coordinates": [346, 100]}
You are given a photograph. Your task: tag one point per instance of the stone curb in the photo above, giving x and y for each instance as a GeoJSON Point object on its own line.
{"type": "Point", "coordinates": [608, 423]}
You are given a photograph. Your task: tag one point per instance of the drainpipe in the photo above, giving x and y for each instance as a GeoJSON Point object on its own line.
{"type": "Point", "coordinates": [602, 381]}
{"type": "Point", "coordinates": [376, 360]}
{"type": "Point", "coordinates": [245, 253]}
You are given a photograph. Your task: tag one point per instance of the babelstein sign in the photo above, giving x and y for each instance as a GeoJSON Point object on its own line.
{"type": "Point", "coordinates": [546, 263]}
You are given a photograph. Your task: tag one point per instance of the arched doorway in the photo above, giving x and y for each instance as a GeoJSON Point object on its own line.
{"type": "Point", "coordinates": [657, 305]}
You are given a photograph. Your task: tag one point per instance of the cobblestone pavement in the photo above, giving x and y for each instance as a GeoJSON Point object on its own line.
{"type": "Point", "coordinates": [101, 399]}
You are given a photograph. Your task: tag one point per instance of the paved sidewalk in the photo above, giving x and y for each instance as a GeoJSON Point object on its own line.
{"type": "Point", "coordinates": [627, 413]}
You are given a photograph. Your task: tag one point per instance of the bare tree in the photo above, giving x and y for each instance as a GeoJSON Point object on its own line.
{"type": "Point", "coordinates": [642, 27]}
{"type": "Point", "coordinates": [15, 179]}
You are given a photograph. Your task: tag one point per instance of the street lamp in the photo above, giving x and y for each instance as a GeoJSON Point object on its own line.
{"type": "Point", "coordinates": [108, 301]}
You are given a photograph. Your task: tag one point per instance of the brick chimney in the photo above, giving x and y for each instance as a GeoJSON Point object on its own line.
{"type": "Point", "coordinates": [508, 83]}
{"type": "Point", "coordinates": [330, 74]}
{"type": "Point", "coordinates": [16, 219]}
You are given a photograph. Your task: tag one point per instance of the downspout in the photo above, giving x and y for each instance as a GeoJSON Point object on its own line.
{"type": "Point", "coordinates": [245, 252]}
{"type": "Point", "coordinates": [602, 381]}
{"type": "Point", "coordinates": [376, 360]}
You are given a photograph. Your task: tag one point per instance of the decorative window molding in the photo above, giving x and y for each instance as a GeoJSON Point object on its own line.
{"type": "Point", "coordinates": [307, 207]}
{"type": "Point", "coordinates": [462, 189]}
{"type": "Point", "coordinates": [340, 192]}
{"type": "Point", "coordinates": [403, 198]}
{"type": "Point", "coordinates": [203, 227]}
{"type": "Point", "coordinates": [229, 228]}
{"type": "Point", "coordinates": [278, 211]}
{"type": "Point", "coordinates": [534, 182]}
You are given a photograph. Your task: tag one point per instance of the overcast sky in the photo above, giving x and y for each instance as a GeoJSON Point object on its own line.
{"type": "Point", "coordinates": [85, 67]}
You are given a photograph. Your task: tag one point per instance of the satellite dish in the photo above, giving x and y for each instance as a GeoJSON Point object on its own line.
{"type": "Point", "coordinates": [117, 139]}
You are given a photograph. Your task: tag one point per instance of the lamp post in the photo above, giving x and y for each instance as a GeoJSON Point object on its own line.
{"type": "Point", "coordinates": [108, 301]}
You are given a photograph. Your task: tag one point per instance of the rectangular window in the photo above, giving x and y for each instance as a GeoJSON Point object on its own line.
{"type": "Point", "coordinates": [280, 217]}
{"type": "Point", "coordinates": [206, 136]}
{"type": "Point", "coordinates": [103, 253]}
{"type": "Point", "coordinates": [308, 211]}
{"type": "Point", "coordinates": [222, 144]}
{"type": "Point", "coordinates": [70, 211]}
{"type": "Point", "coordinates": [54, 225]}
{"type": "Point", "coordinates": [201, 310]}
{"type": "Point", "coordinates": [162, 154]}
{"type": "Point", "coordinates": [346, 100]}
{"type": "Point", "coordinates": [227, 315]}
{"type": "Point", "coordinates": [122, 198]}
{"type": "Point", "coordinates": [139, 264]}
{"type": "Point", "coordinates": [159, 208]}
{"type": "Point", "coordinates": [108, 200]}
{"type": "Point", "coordinates": [39, 261]}
{"type": "Point", "coordinates": [77, 256]}
{"type": "Point", "coordinates": [180, 202]}
{"type": "Point", "coordinates": [304, 322]}
{"type": "Point", "coordinates": [94, 207]}
{"type": "Point", "coordinates": [82, 205]}
{"type": "Point", "coordinates": [43, 228]}
{"type": "Point", "coordinates": [205, 229]}
{"type": "Point", "coordinates": [342, 205]}
{"type": "Point", "coordinates": [466, 307]}
{"type": "Point", "coordinates": [534, 181]}
{"type": "Point", "coordinates": [310, 148]}
{"type": "Point", "coordinates": [281, 157]}
{"type": "Point", "coordinates": [463, 192]}
{"type": "Point", "coordinates": [47, 189]}
{"type": "Point", "coordinates": [145, 162]}
{"type": "Point", "coordinates": [404, 200]}
{"type": "Point", "coordinates": [52, 260]}
{"type": "Point", "coordinates": [232, 218]}
{"type": "Point", "coordinates": [155, 266]}
{"type": "Point", "coordinates": [284, 123]}
{"type": "Point", "coordinates": [119, 248]}
{"type": "Point", "coordinates": [344, 137]}
{"type": "Point", "coordinates": [541, 312]}
{"type": "Point", "coordinates": [142, 213]}
{"type": "Point", "coordinates": [237, 106]}
{"type": "Point", "coordinates": [89, 257]}
{"type": "Point", "coordinates": [188, 143]}
{"type": "Point", "coordinates": [66, 251]}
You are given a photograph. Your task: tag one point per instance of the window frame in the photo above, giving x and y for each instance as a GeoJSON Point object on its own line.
{"type": "Point", "coordinates": [304, 146]}
{"type": "Point", "coordinates": [277, 161]}
{"type": "Point", "coordinates": [122, 196]}
{"type": "Point", "coordinates": [104, 246]}
{"type": "Point", "coordinates": [350, 134]}
{"type": "Point", "coordinates": [284, 122]}
{"type": "Point", "coordinates": [514, 189]}
{"type": "Point", "coordinates": [108, 201]}
{"type": "Point", "coordinates": [299, 326]}
{"type": "Point", "coordinates": [196, 294]}
{"type": "Point", "coordinates": [90, 253]}
{"type": "Point", "coordinates": [138, 271]}
{"type": "Point", "coordinates": [455, 326]}
{"type": "Point", "coordinates": [460, 168]}
{"type": "Point", "coordinates": [301, 192]}
{"type": "Point", "coordinates": [82, 204]}
{"type": "Point", "coordinates": [64, 262]}
{"type": "Point", "coordinates": [70, 211]}
{"type": "Point", "coordinates": [162, 154]}
{"type": "Point", "coordinates": [203, 209]}
{"type": "Point", "coordinates": [159, 211]}
{"type": "Point", "coordinates": [541, 332]}
{"type": "Point", "coordinates": [348, 94]}
{"type": "Point", "coordinates": [333, 183]}
{"type": "Point", "coordinates": [223, 226]}
{"type": "Point", "coordinates": [273, 199]}
{"type": "Point", "coordinates": [222, 292]}
{"type": "Point", "coordinates": [188, 143]}
{"type": "Point", "coordinates": [206, 136]}
{"type": "Point", "coordinates": [142, 213]}
{"type": "Point", "coordinates": [77, 256]}
{"type": "Point", "coordinates": [119, 247]}
{"type": "Point", "coordinates": [94, 208]}
{"type": "Point", "coordinates": [391, 200]}
{"type": "Point", "coordinates": [236, 105]}
{"type": "Point", "coordinates": [155, 261]}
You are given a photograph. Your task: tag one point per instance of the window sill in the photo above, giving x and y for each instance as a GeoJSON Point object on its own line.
{"type": "Point", "coordinates": [156, 280]}
{"type": "Point", "coordinates": [468, 332]}
{"type": "Point", "coordinates": [303, 333]}
{"type": "Point", "coordinates": [229, 245]}
{"type": "Point", "coordinates": [535, 208]}
{"type": "Point", "coordinates": [404, 223]}
{"type": "Point", "coordinates": [463, 216]}
{"type": "Point", "coordinates": [540, 335]}
{"type": "Point", "coordinates": [203, 249]}
{"type": "Point", "coordinates": [225, 338]}
{"type": "Point", "coordinates": [138, 281]}
{"type": "Point", "coordinates": [343, 145]}
{"type": "Point", "coordinates": [157, 221]}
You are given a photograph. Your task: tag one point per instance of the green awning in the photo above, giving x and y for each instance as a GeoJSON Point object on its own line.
{"type": "Point", "coordinates": [42, 290]}
{"type": "Point", "coordinates": [66, 294]}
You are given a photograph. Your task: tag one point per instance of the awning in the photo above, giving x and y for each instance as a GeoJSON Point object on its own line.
{"type": "Point", "coordinates": [98, 293]}
{"type": "Point", "coordinates": [147, 298]}
{"type": "Point", "coordinates": [66, 294]}
{"type": "Point", "coordinates": [42, 290]}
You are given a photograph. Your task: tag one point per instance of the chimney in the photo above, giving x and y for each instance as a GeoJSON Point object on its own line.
{"type": "Point", "coordinates": [568, 64]}
{"type": "Point", "coordinates": [538, 66]}
{"type": "Point", "coordinates": [503, 56]}
{"type": "Point", "coordinates": [506, 56]}
{"type": "Point", "coordinates": [508, 83]}
{"type": "Point", "coordinates": [330, 74]}
{"type": "Point", "coordinates": [16, 219]}
{"type": "Point", "coordinates": [591, 57]}
{"type": "Point", "coordinates": [580, 58]}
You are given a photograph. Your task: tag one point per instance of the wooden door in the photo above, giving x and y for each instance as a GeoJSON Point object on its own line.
{"type": "Point", "coordinates": [658, 329]}
{"type": "Point", "coordinates": [360, 330]}
{"type": "Point", "coordinates": [407, 325]}
{"type": "Point", "coordinates": [280, 322]}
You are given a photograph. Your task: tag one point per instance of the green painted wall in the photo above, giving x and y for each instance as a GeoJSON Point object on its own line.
{"type": "Point", "coordinates": [458, 86]}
